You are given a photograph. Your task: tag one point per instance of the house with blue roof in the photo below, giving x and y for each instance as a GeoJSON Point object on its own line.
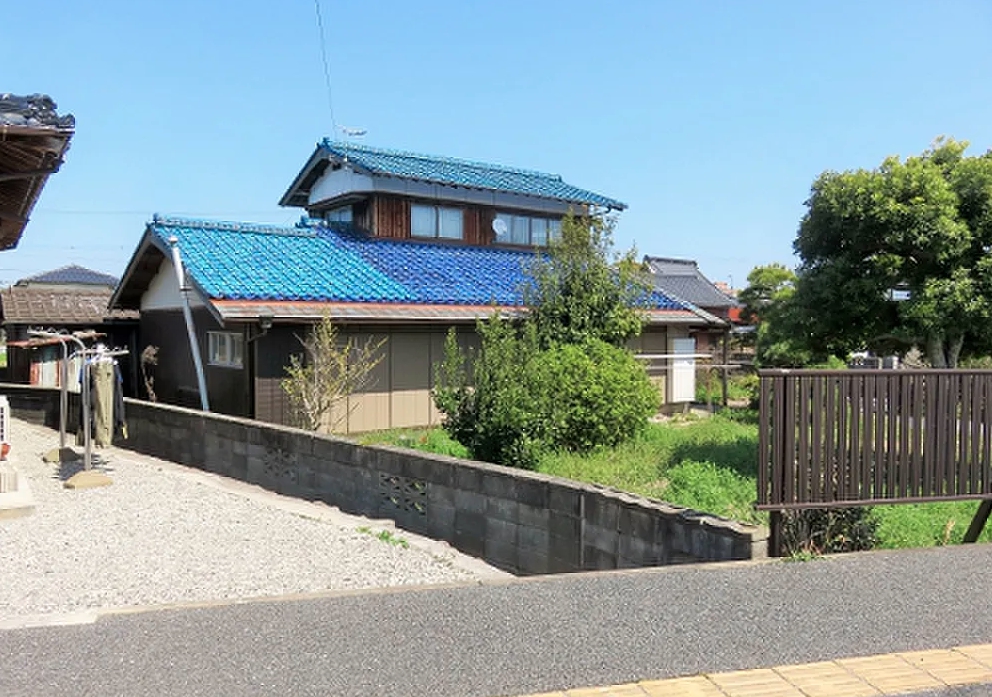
{"type": "Point", "coordinates": [393, 246]}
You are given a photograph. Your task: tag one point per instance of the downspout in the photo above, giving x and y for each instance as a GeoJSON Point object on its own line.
{"type": "Point", "coordinates": [194, 346]}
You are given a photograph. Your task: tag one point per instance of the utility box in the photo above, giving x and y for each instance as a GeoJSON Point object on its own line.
{"type": "Point", "coordinates": [681, 371]}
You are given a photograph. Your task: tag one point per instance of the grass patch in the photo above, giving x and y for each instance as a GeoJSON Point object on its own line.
{"type": "Point", "coordinates": [926, 524]}
{"type": "Point", "coordinates": [432, 440]}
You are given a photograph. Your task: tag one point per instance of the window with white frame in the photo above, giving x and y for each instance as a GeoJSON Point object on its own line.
{"type": "Point", "coordinates": [226, 349]}
{"type": "Point", "coordinates": [527, 230]}
{"type": "Point", "coordinates": [436, 221]}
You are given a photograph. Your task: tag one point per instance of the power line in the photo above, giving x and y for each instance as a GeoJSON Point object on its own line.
{"type": "Point", "coordinates": [327, 70]}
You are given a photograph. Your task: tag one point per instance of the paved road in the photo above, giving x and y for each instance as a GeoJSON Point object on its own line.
{"type": "Point", "coordinates": [521, 636]}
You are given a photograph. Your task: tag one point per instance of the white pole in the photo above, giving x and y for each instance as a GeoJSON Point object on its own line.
{"type": "Point", "coordinates": [194, 346]}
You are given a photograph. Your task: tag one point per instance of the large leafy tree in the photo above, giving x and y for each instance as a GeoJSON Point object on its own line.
{"type": "Point", "coordinates": [919, 229]}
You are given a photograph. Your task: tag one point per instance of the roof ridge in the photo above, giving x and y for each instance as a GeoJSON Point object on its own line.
{"type": "Point", "coordinates": [329, 144]}
{"type": "Point", "coordinates": [230, 226]}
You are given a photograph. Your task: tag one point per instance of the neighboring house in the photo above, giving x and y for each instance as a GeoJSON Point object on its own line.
{"type": "Point", "coordinates": [682, 279]}
{"type": "Point", "coordinates": [395, 246]}
{"type": "Point", "coordinates": [67, 299]}
{"type": "Point", "coordinates": [33, 141]}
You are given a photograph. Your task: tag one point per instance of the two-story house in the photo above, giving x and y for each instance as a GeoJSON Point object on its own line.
{"type": "Point", "coordinates": [394, 245]}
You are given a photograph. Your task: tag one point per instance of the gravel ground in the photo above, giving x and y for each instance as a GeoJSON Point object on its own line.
{"type": "Point", "coordinates": [163, 533]}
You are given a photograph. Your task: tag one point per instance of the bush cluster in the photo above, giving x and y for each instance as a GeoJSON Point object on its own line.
{"type": "Point", "coordinates": [524, 401]}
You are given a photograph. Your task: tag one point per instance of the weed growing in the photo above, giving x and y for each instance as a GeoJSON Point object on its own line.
{"type": "Point", "coordinates": [387, 536]}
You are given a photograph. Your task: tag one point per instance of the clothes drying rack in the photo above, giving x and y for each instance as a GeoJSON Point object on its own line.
{"type": "Point", "coordinates": [86, 407]}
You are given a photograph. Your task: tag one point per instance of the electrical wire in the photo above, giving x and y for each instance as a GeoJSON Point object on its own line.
{"type": "Point", "coordinates": [327, 69]}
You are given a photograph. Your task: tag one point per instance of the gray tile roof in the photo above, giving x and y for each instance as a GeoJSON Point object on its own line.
{"type": "Point", "coordinates": [682, 279]}
{"type": "Point", "coordinates": [72, 274]}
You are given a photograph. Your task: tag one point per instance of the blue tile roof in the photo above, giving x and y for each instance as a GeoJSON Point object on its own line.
{"type": "Point", "coordinates": [238, 261]}
{"type": "Point", "coordinates": [448, 170]}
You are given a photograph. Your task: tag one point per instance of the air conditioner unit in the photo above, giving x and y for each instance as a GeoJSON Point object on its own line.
{"type": "Point", "coordinates": [4, 420]}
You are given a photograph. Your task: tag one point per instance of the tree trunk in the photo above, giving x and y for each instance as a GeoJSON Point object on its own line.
{"type": "Point", "coordinates": [935, 351]}
{"type": "Point", "coordinates": [954, 350]}
{"type": "Point", "coordinates": [943, 351]}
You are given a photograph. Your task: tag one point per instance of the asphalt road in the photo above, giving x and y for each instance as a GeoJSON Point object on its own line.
{"type": "Point", "coordinates": [522, 636]}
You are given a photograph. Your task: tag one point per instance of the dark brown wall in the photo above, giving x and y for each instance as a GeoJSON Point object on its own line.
{"type": "Point", "coordinates": [228, 389]}
{"type": "Point", "coordinates": [392, 219]}
{"type": "Point", "coordinates": [273, 353]}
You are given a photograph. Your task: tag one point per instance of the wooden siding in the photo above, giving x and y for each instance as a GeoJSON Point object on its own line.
{"type": "Point", "coordinates": [392, 217]}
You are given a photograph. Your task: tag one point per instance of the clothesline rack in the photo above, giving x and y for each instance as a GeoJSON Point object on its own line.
{"type": "Point", "coordinates": [86, 353]}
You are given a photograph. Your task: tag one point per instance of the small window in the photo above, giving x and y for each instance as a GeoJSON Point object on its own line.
{"type": "Point", "coordinates": [539, 232]}
{"type": "Point", "coordinates": [436, 221]}
{"type": "Point", "coordinates": [339, 215]}
{"type": "Point", "coordinates": [225, 349]}
{"type": "Point", "coordinates": [449, 222]}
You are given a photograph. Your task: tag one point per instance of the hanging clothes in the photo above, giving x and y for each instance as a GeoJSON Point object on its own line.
{"type": "Point", "coordinates": [102, 398]}
{"type": "Point", "coordinates": [106, 403]}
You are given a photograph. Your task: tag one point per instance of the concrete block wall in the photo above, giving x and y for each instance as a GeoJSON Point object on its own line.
{"type": "Point", "coordinates": [519, 521]}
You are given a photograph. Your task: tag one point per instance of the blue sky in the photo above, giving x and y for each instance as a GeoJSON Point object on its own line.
{"type": "Point", "coordinates": [709, 119]}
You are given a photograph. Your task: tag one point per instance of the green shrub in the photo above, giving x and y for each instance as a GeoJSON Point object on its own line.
{"type": "Point", "coordinates": [525, 401]}
{"type": "Point", "coordinates": [592, 395]}
{"type": "Point", "coordinates": [497, 417]}
{"type": "Point", "coordinates": [709, 386]}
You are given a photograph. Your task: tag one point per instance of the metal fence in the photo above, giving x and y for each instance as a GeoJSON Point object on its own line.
{"type": "Point", "coordinates": [859, 437]}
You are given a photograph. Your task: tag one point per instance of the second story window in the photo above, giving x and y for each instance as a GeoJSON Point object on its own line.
{"type": "Point", "coordinates": [528, 230]}
{"type": "Point", "coordinates": [436, 221]}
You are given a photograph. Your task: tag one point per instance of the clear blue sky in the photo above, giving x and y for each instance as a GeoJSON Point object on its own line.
{"type": "Point", "coordinates": [709, 119]}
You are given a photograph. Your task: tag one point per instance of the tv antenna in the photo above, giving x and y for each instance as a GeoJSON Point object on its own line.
{"type": "Point", "coordinates": [352, 132]}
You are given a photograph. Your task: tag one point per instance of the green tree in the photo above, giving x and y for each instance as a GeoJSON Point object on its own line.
{"type": "Point", "coordinates": [583, 289]}
{"type": "Point", "coordinates": [920, 226]}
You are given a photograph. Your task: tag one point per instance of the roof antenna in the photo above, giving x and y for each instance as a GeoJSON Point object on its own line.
{"type": "Point", "coordinates": [352, 132]}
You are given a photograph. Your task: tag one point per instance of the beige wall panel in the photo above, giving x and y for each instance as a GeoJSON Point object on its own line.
{"type": "Point", "coordinates": [654, 340]}
{"type": "Point", "coordinates": [337, 420]}
{"type": "Point", "coordinates": [410, 373]}
{"type": "Point", "coordinates": [369, 412]}
{"type": "Point", "coordinates": [410, 361]}
{"type": "Point", "coordinates": [411, 408]}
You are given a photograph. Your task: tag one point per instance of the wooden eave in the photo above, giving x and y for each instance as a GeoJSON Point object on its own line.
{"type": "Point", "coordinates": [28, 156]}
